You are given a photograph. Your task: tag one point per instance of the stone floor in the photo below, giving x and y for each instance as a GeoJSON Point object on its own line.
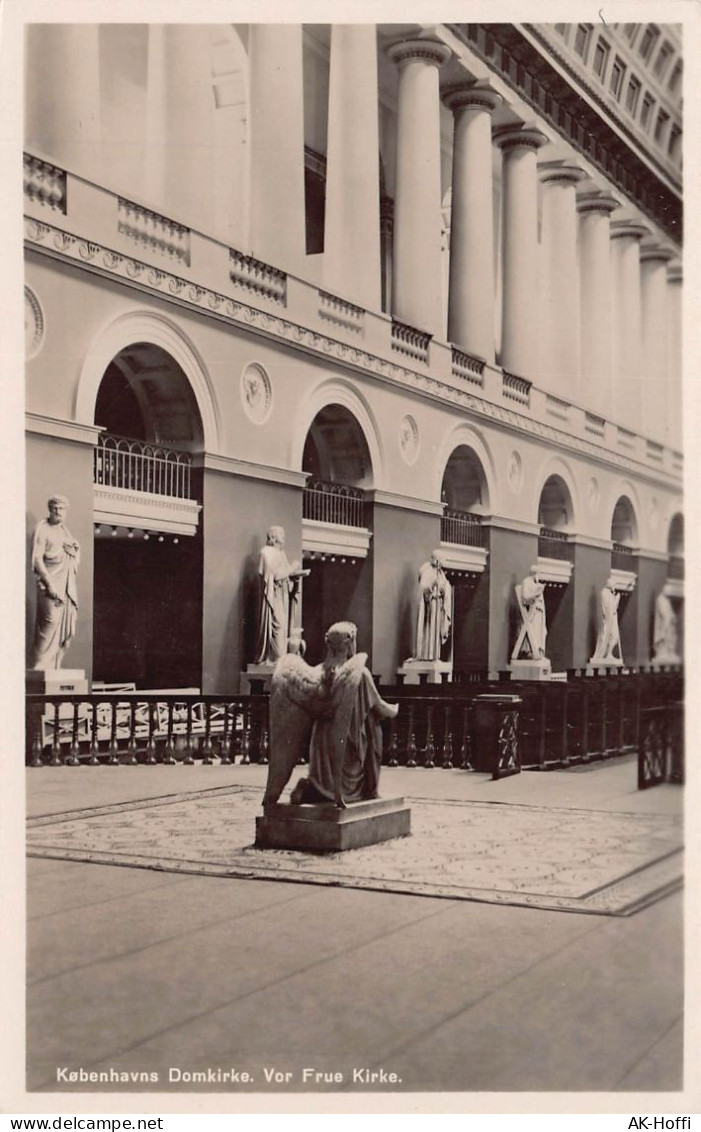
{"type": "Point", "coordinates": [137, 971]}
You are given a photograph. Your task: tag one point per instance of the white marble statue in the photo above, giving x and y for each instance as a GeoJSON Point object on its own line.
{"type": "Point", "coordinates": [280, 582]}
{"type": "Point", "coordinates": [608, 642]}
{"type": "Point", "coordinates": [665, 638]}
{"type": "Point", "coordinates": [435, 610]}
{"type": "Point", "coordinates": [55, 561]}
{"type": "Point", "coordinates": [530, 595]}
{"type": "Point", "coordinates": [330, 713]}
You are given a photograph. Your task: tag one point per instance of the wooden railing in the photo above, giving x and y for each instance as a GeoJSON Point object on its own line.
{"type": "Point", "coordinates": [336, 503]}
{"type": "Point", "coordinates": [463, 528]}
{"type": "Point", "coordinates": [661, 748]}
{"type": "Point", "coordinates": [555, 544]}
{"type": "Point", "coordinates": [137, 465]}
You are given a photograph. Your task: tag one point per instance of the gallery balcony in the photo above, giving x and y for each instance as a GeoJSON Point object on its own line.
{"type": "Point", "coordinates": [334, 520]}
{"type": "Point", "coordinates": [142, 485]}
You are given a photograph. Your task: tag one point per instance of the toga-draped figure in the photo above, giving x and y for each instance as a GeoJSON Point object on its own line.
{"type": "Point", "coordinates": [331, 712]}
{"type": "Point", "coordinates": [530, 595]}
{"type": "Point", "coordinates": [435, 610]}
{"type": "Point", "coordinates": [55, 561]}
{"type": "Point", "coordinates": [279, 594]}
{"type": "Point", "coordinates": [608, 643]}
{"type": "Point", "coordinates": [665, 639]}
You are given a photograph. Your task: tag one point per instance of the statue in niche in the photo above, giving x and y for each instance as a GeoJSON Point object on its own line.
{"type": "Point", "coordinates": [332, 713]}
{"type": "Point", "coordinates": [55, 561]}
{"type": "Point", "coordinates": [608, 643]}
{"type": "Point", "coordinates": [530, 595]}
{"type": "Point", "coordinates": [665, 637]}
{"type": "Point", "coordinates": [435, 610]}
{"type": "Point", "coordinates": [280, 582]}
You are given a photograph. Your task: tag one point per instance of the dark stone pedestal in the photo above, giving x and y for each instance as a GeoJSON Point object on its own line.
{"type": "Point", "coordinates": [323, 828]}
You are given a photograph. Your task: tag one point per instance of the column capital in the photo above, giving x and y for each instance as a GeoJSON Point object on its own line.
{"type": "Point", "coordinates": [430, 50]}
{"type": "Point", "coordinates": [675, 273]}
{"type": "Point", "coordinates": [597, 201]}
{"type": "Point", "coordinates": [519, 137]}
{"type": "Point", "coordinates": [560, 172]}
{"type": "Point", "coordinates": [655, 253]}
{"type": "Point", "coordinates": [470, 96]}
{"type": "Point", "coordinates": [629, 228]}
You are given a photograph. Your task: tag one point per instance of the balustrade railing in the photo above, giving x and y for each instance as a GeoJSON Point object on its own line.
{"type": "Point", "coordinates": [462, 528]}
{"type": "Point", "coordinates": [466, 367]}
{"type": "Point", "coordinates": [516, 388]}
{"type": "Point", "coordinates": [149, 728]}
{"type": "Point", "coordinates": [254, 275]}
{"type": "Point", "coordinates": [44, 183]}
{"type": "Point", "coordinates": [137, 465]}
{"type": "Point", "coordinates": [408, 340]}
{"type": "Point", "coordinates": [336, 503]}
{"type": "Point", "coordinates": [622, 557]}
{"type": "Point", "coordinates": [661, 749]}
{"type": "Point", "coordinates": [555, 544]}
{"type": "Point", "coordinates": [334, 309]}
{"type": "Point", "coordinates": [594, 425]}
{"type": "Point", "coordinates": [153, 231]}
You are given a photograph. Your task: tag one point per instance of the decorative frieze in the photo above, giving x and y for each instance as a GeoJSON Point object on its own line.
{"type": "Point", "coordinates": [44, 184]}
{"type": "Point", "coordinates": [44, 237]}
{"type": "Point", "coordinates": [254, 275]}
{"type": "Point", "coordinates": [153, 231]}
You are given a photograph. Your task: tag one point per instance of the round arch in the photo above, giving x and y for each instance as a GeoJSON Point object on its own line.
{"type": "Point", "coordinates": [465, 435]}
{"type": "Point", "coordinates": [558, 470]}
{"type": "Point", "coordinates": [624, 509]}
{"type": "Point", "coordinates": [335, 392]}
{"type": "Point", "coordinates": [133, 327]}
{"type": "Point", "coordinates": [675, 535]}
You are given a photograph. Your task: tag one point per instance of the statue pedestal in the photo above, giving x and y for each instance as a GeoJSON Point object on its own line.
{"type": "Point", "coordinates": [426, 671]}
{"type": "Point", "coordinates": [256, 679]}
{"type": "Point", "coordinates": [323, 828]}
{"type": "Point", "coordinates": [531, 669]}
{"type": "Point", "coordinates": [596, 664]}
{"type": "Point", "coordinates": [56, 681]}
{"type": "Point", "coordinates": [666, 662]}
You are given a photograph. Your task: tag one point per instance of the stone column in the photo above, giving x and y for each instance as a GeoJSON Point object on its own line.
{"type": "Point", "coordinates": [674, 354]}
{"type": "Point", "coordinates": [520, 330]}
{"type": "Point", "coordinates": [625, 238]}
{"type": "Point", "coordinates": [352, 221]}
{"type": "Point", "coordinates": [471, 292]}
{"type": "Point", "coordinates": [63, 95]}
{"type": "Point", "coordinates": [179, 120]}
{"type": "Point", "coordinates": [277, 209]}
{"type": "Point", "coordinates": [559, 355]}
{"type": "Point", "coordinates": [596, 343]}
{"type": "Point", "coordinates": [653, 311]}
{"type": "Point", "coordinates": [416, 279]}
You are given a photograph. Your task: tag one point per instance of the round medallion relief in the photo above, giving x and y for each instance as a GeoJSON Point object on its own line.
{"type": "Point", "coordinates": [514, 471]}
{"type": "Point", "coordinates": [33, 323]}
{"type": "Point", "coordinates": [256, 393]}
{"type": "Point", "coordinates": [408, 439]}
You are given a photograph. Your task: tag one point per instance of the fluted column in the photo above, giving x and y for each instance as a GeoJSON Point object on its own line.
{"type": "Point", "coordinates": [277, 225]}
{"type": "Point", "coordinates": [653, 280]}
{"type": "Point", "coordinates": [63, 95]}
{"type": "Point", "coordinates": [559, 263]}
{"type": "Point", "coordinates": [416, 279]}
{"type": "Point", "coordinates": [352, 221]}
{"type": "Point", "coordinates": [596, 344]}
{"type": "Point", "coordinates": [625, 239]}
{"type": "Point", "coordinates": [179, 109]}
{"type": "Point", "coordinates": [674, 353]}
{"type": "Point", "coordinates": [471, 290]}
{"type": "Point", "coordinates": [519, 345]}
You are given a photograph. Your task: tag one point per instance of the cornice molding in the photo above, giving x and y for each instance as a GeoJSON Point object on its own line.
{"type": "Point", "coordinates": [230, 466]}
{"type": "Point", "coordinates": [407, 502]}
{"type": "Point", "coordinates": [518, 526]}
{"type": "Point", "coordinates": [48, 240]}
{"type": "Point", "coordinates": [61, 429]}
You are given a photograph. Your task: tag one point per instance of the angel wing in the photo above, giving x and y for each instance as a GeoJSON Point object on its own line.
{"type": "Point", "coordinates": [297, 698]}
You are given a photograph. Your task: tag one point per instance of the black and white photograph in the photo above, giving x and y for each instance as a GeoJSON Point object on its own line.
{"type": "Point", "coordinates": [349, 513]}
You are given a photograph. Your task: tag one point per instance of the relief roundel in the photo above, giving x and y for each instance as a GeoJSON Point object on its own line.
{"type": "Point", "coordinates": [256, 393]}
{"type": "Point", "coordinates": [409, 439]}
{"type": "Point", "coordinates": [33, 323]}
{"type": "Point", "coordinates": [515, 472]}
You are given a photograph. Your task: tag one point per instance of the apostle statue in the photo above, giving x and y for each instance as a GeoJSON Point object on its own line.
{"type": "Point", "coordinates": [280, 582]}
{"type": "Point", "coordinates": [530, 595]}
{"type": "Point", "coordinates": [435, 610]}
{"type": "Point", "coordinates": [665, 639]}
{"type": "Point", "coordinates": [55, 561]}
{"type": "Point", "coordinates": [608, 642]}
{"type": "Point", "coordinates": [330, 713]}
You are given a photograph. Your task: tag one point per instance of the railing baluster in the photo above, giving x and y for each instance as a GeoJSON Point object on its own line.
{"type": "Point", "coordinates": [72, 759]}
{"type": "Point", "coordinates": [131, 759]}
{"type": "Point", "coordinates": [411, 739]}
{"type": "Point", "coordinates": [55, 743]}
{"type": "Point", "coordinates": [392, 759]}
{"type": "Point", "coordinates": [430, 749]}
{"type": "Point", "coordinates": [207, 759]}
{"type": "Point", "coordinates": [150, 758]}
{"type": "Point", "coordinates": [465, 747]}
{"type": "Point", "coordinates": [245, 735]}
{"type": "Point", "coordinates": [227, 738]}
{"type": "Point", "coordinates": [447, 740]}
{"type": "Point", "coordinates": [169, 753]}
{"type": "Point", "coordinates": [113, 748]}
{"type": "Point", "coordinates": [35, 714]}
{"type": "Point", "coordinates": [188, 760]}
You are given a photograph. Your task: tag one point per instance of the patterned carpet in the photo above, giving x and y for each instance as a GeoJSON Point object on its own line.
{"type": "Point", "coordinates": [572, 860]}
